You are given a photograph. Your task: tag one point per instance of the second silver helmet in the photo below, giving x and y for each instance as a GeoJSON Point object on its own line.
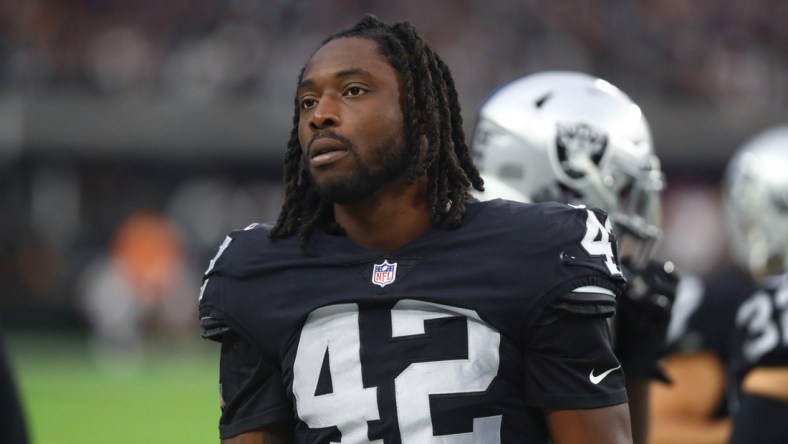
{"type": "Point", "coordinates": [755, 198]}
{"type": "Point", "coordinates": [575, 138]}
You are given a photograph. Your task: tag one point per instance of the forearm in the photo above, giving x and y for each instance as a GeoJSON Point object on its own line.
{"type": "Point", "coordinates": [683, 431]}
{"type": "Point", "coordinates": [608, 425]}
{"type": "Point", "coordinates": [638, 393]}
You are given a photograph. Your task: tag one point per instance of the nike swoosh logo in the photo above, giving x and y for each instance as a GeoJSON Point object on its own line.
{"type": "Point", "coordinates": [596, 379]}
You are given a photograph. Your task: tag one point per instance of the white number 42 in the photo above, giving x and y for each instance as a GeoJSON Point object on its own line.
{"type": "Point", "coordinates": [334, 331]}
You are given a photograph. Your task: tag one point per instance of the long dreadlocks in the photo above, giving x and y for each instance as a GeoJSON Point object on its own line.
{"type": "Point", "coordinates": [431, 109]}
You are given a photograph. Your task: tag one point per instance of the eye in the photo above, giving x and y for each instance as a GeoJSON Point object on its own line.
{"type": "Point", "coordinates": [355, 91]}
{"type": "Point", "coordinates": [308, 103]}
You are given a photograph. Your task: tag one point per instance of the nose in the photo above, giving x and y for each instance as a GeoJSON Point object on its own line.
{"type": "Point", "coordinates": [326, 113]}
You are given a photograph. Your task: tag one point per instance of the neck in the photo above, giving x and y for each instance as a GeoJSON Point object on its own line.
{"type": "Point", "coordinates": [392, 217]}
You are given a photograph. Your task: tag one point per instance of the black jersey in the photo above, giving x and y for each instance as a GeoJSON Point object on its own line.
{"type": "Point", "coordinates": [462, 335]}
{"type": "Point", "coordinates": [704, 310]}
{"type": "Point", "coordinates": [760, 338]}
{"type": "Point", "coordinates": [703, 313]}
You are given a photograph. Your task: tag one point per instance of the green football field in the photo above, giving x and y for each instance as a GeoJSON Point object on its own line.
{"type": "Point", "coordinates": [166, 393]}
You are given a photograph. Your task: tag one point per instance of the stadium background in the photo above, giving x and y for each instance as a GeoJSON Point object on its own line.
{"type": "Point", "coordinates": [139, 133]}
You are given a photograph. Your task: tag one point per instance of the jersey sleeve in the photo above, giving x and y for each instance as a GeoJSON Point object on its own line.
{"type": "Point", "coordinates": [590, 247]}
{"type": "Point", "coordinates": [588, 277]}
{"type": "Point", "coordinates": [251, 387]}
{"type": "Point", "coordinates": [252, 392]}
{"type": "Point", "coordinates": [570, 362]}
{"type": "Point", "coordinates": [567, 344]}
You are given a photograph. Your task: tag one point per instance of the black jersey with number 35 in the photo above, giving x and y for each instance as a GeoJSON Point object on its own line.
{"type": "Point", "coordinates": [760, 339]}
{"type": "Point", "coordinates": [462, 335]}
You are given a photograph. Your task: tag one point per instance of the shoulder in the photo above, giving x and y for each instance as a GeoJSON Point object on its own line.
{"type": "Point", "coordinates": [241, 247]}
{"type": "Point", "coordinates": [239, 254]}
{"type": "Point", "coordinates": [578, 238]}
{"type": "Point", "coordinates": [239, 250]}
{"type": "Point", "coordinates": [253, 236]}
{"type": "Point", "coordinates": [546, 221]}
{"type": "Point", "coordinates": [535, 211]}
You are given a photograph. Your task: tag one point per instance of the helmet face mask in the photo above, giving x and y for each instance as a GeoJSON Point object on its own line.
{"type": "Point", "coordinates": [755, 200]}
{"type": "Point", "coordinates": [574, 138]}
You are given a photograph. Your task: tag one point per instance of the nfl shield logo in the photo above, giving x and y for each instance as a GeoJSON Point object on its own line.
{"type": "Point", "coordinates": [384, 274]}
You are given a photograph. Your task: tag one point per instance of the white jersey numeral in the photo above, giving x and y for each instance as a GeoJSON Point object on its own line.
{"type": "Point", "coordinates": [334, 330]}
{"type": "Point", "coordinates": [420, 380]}
{"type": "Point", "coordinates": [597, 241]}
{"type": "Point", "coordinates": [756, 315]}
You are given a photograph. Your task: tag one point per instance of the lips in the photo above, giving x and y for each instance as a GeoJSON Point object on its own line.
{"type": "Point", "coordinates": [326, 149]}
{"type": "Point", "coordinates": [324, 146]}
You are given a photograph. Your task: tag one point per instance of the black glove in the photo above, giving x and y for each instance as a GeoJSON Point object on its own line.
{"type": "Point", "coordinates": [643, 315]}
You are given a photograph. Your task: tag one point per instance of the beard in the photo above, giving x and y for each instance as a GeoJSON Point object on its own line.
{"type": "Point", "coordinates": [391, 161]}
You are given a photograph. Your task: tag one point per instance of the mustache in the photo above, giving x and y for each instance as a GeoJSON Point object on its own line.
{"type": "Point", "coordinates": [327, 134]}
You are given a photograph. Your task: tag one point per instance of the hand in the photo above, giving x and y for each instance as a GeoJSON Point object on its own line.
{"type": "Point", "coordinates": [643, 315]}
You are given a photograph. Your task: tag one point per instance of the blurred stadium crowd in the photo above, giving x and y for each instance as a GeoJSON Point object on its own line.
{"type": "Point", "coordinates": [722, 52]}
{"type": "Point", "coordinates": [134, 135]}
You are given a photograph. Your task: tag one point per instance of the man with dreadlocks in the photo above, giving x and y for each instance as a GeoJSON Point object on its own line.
{"type": "Point", "coordinates": [387, 306]}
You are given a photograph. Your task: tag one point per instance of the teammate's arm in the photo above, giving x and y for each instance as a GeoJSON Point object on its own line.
{"type": "Point", "coordinates": [771, 382]}
{"type": "Point", "coordinates": [683, 413]}
{"type": "Point", "coordinates": [608, 425]}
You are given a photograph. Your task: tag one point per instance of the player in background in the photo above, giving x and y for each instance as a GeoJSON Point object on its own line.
{"type": "Point", "coordinates": [574, 138]}
{"type": "Point", "coordinates": [495, 188]}
{"type": "Point", "coordinates": [693, 409]}
{"type": "Point", "coordinates": [13, 427]}
{"type": "Point", "coordinates": [387, 306]}
{"type": "Point", "coordinates": [755, 197]}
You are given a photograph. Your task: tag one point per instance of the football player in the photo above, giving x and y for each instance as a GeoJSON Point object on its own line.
{"type": "Point", "coordinates": [693, 409]}
{"type": "Point", "coordinates": [574, 138]}
{"type": "Point", "coordinates": [13, 427]}
{"type": "Point", "coordinates": [387, 306]}
{"type": "Point", "coordinates": [755, 197]}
